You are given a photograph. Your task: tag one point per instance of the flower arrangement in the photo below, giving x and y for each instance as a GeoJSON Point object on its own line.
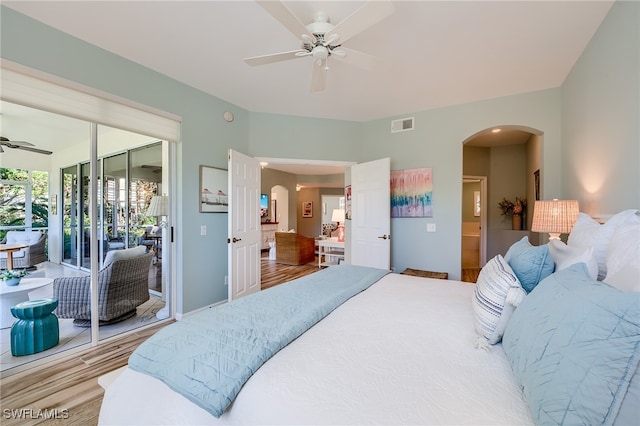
{"type": "Point", "coordinates": [513, 208]}
{"type": "Point", "coordinates": [8, 274]}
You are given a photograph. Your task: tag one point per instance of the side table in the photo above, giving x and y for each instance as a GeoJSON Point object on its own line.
{"type": "Point", "coordinates": [37, 328]}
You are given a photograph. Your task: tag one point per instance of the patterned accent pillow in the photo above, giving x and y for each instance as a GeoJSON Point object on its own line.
{"type": "Point", "coordinates": [531, 264]}
{"type": "Point", "coordinates": [496, 295]}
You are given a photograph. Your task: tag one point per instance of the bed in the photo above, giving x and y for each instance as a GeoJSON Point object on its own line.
{"type": "Point", "coordinates": [412, 350]}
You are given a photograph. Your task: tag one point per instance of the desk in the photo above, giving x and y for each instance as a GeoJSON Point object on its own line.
{"type": "Point", "coordinates": [10, 249]}
{"type": "Point", "coordinates": [12, 295]}
{"type": "Point", "coordinates": [332, 250]}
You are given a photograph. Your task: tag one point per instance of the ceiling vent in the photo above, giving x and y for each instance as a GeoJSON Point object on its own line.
{"type": "Point", "coordinates": [402, 125]}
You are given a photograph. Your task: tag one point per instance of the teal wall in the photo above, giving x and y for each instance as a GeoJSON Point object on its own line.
{"type": "Point", "coordinates": [600, 117]}
{"type": "Point", "coordinates": [436, 141]}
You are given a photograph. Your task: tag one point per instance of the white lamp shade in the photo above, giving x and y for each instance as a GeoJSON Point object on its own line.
{"type": "Point", "coordinates": [159, 206]}
{"type": "Point", "coordinates": [337, 215]}
{"type": "Point", "coordinates": [554, 216]}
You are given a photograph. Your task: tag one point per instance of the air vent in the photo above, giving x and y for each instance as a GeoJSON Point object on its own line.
{"type": "Point", "coordinates": [402, 125]}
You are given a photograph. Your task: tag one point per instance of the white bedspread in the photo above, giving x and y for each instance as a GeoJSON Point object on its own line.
{"type": "Point", "coordinates": [401, 352]}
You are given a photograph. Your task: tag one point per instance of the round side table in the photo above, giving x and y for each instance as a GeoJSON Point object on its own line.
{"type": "Point", "coordinates": [36, 329]}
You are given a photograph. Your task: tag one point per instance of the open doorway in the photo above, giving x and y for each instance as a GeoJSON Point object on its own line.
{"type": "Point", "coordinates": [474, 223]}
{"type": "Point", "coordinates": [508, 159]}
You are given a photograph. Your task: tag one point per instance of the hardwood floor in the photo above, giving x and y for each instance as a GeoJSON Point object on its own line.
{"type": "Point", "coordinates": [66, 392]}
{"type": "Point", "coordinates": [274, 273]}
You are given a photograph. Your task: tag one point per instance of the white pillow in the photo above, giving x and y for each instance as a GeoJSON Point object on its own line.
{"type": "Point", "coordinates": [114, 255]}
{"type": "Point", "coordinates": [587, 232]}
{"type": "Point", "coordinates": [623, 257]}
{"type": "Point", "coordinates": [496, 295]}
{"type": "Point", "coordinates": [565, 256]}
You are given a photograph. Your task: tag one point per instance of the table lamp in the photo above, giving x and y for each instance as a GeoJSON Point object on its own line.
{"type": "Point", "coordinates": [159, 206]}
{"type": "Point", "coordinates": [338, 216]}
{"type": "Point", "coordinates": [554, 216]}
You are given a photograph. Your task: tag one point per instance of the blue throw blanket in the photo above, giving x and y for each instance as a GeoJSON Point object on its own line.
{"type": "Point", "coordinates": [209, 356]}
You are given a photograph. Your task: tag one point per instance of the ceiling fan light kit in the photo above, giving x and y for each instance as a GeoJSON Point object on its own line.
{"type": "Point", "coordinates": [319, 38]}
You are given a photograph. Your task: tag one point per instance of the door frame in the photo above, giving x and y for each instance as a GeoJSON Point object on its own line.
{"type": "Point", "coordinates": [483, 216]}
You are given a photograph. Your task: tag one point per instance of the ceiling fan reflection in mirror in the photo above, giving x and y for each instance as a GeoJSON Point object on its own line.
{"type": "Point", "coordinates": [26, 146]}
{"type": "Point", "coordinates": [322, 40]}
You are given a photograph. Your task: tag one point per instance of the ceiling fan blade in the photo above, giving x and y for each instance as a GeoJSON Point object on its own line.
{"type": "Point", "coordinates": [275, 57]}
{"type": "Point", "coordinates": [362, 60]}
{"type": "Point", "coordinates": [21, 143]}
{"type": "Point", "coordinates": [39, 151]}
{"type": "Point", "coordinates": [366, 16]}
{"type": "Point", "coordinates": [281, 12]}
{"type": "Point", "coordinates": [318, 76]}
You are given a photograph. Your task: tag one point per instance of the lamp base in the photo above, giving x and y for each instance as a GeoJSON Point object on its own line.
{"type": "Point", "coordinates": [341, 233]}
{"type": "Point", "coordinates": [554, 236]}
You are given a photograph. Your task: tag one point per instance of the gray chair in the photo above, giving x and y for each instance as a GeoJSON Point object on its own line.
{"type": "Point", "coordinates": [27, 257]}
{"type": "Point", "coordinates": [123, 285]}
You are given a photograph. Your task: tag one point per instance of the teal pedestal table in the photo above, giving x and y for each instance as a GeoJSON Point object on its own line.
{"type": "Point", "coordinates": [36, 329]}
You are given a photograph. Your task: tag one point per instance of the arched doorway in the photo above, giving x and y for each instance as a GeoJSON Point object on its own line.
{"type": "Point", "coordinates": [509, 156]}
{"type": "Point", "coordinates": [279, 206]}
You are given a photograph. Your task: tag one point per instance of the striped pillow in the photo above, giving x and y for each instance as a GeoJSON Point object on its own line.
{"type": "Point", "coordinates": [496, 295]}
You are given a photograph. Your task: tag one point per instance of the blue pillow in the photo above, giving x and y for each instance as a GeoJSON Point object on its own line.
{"type": "Point", "coordinates": [574, 345]}
{"type": "Point", "coordinates": [531, 264]}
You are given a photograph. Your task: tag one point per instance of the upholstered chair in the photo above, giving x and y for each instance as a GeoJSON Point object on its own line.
{"type": "Point", "coordinates": [27, 257]}
{"type": "Point", "coordinates": [123, 285]}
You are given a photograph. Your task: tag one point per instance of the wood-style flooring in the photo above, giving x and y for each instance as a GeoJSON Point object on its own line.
{"type": "Point", "coordinates": [68, 389]}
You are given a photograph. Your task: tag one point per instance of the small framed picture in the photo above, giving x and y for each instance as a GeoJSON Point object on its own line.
{"type": "Point", "coordinates": [213, 190]}
{"type": "Point", "coordinates": [54, 204]}
{"type": "Point", "coordinates": [307, 209]}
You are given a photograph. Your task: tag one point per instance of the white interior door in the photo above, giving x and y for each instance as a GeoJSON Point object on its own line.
{"type": "Point", "coordinates": [371, 217]}
{"type": "Point", "coordinates": [244, 233]}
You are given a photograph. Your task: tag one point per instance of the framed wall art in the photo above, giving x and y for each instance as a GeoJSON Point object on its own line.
{"type": "Point", "coordinates": [54, 204]}
{"type": "Point", "coordinates": [213, 190]}
{"type": "Point", "coordinates": [347, 204]}
{"type": "Point", "coordinates": [307, 209]}
{"type": "Point", "coordinates": [411, 193]}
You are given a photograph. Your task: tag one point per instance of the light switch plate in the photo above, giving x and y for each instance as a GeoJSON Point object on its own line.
{"type": "Point", "coordinates": [203, 230]}
{"type": "Point", "coordinates": [431, 227]}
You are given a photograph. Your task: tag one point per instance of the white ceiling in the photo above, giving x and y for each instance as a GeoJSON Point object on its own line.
{"type": "Point", "coordinates": [438, 53]}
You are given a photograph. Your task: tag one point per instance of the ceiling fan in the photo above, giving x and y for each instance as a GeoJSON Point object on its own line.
{"type": "Point", "coordinates": [322, 40]}
{"type": "Point", "coordinates": [26, 146]}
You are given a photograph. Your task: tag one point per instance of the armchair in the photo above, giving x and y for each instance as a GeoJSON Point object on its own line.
{"type": "Point", "coordinates": [27, 257]}
{"type": "Point", "coordinates": [123, 285]}
{"type": "Point", "coordinates": [294, 249]}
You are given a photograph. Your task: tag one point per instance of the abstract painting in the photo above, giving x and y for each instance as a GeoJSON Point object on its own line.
{"type": "Point", "coordinates": [411, 193]}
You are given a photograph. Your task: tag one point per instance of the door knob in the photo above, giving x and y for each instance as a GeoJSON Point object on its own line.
{"type": "Point", "coordinates": [235, 240]}
{"type": "Point", "coordinates": [384, 237]}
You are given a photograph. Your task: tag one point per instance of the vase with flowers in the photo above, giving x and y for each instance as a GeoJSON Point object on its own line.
{"type": "Point", "coordinates": [516, 209]}
{"type": "Point", "coordinates": [12, 277]}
